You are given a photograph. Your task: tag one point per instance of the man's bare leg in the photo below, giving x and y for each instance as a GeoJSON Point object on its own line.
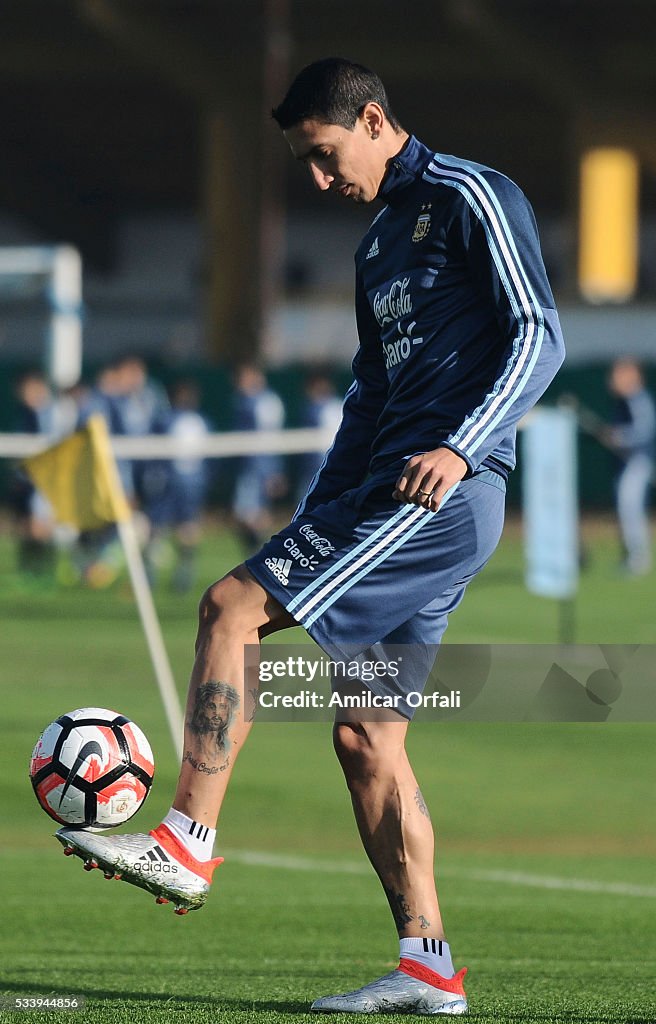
{"type": "Point", "coordinates": [397, 834]}
{"type": "Point", "coordinates": [393, 820]}
{"type": "Point", "coordinates": [233, 612]}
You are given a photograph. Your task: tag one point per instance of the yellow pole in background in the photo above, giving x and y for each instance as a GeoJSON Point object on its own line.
{"type": "Point", "coordinates": [608, 228]}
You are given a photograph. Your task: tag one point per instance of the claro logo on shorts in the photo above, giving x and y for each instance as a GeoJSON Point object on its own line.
{"type": "Point", "coordinates": [319, 543]}
{"type": "Point", "coordinates": [305, 561]}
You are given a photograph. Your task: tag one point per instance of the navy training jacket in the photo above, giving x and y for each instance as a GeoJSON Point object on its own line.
{"type": "Point", "coordinates": [459, 335]}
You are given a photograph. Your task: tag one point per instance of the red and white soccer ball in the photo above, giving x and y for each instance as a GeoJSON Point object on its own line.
{"type": "Point", "coordinates": [92, 768]}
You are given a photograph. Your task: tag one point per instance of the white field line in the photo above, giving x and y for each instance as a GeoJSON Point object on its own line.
{"type": "Point", "coordinates": [290, 862]}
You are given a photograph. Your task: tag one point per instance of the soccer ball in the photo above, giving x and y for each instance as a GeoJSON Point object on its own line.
{"type": "Point", "coordinates": [92, 768]}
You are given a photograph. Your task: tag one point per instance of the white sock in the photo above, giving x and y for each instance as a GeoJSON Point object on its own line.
{"type": "Point", "coordinates": [432, 953]}
{"type": "Point", "coordinates": [196, 838]}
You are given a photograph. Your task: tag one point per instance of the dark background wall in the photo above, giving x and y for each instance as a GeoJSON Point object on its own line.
{"type": "Point", "coordinates": [140, 132]}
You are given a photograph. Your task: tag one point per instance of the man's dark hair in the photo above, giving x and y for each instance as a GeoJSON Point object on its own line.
{"type": "Point", "coordinates": [332, 91]}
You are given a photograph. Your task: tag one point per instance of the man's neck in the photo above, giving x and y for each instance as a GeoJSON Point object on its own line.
{"type": "Point", "coordinates": [397, 143]}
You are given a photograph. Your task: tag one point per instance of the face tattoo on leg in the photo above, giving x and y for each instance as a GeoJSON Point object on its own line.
{"type": "Point", "coordinates": [213, 713]}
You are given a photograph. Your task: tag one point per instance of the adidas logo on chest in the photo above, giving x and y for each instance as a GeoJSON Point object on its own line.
{"type": "Point", "coordinates": [373, 249]}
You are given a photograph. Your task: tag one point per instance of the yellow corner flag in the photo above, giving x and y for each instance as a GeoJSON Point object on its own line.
{"type": "Point", "coordinates": [79, 478]}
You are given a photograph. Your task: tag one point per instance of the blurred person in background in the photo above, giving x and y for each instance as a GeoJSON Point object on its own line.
{"type": "Point", "coordinates": [142, 404]}
{"type": "Point", "coordinates": [321, 409]}
{"type": "Point", "coordinates": [176, 489]}
{"type": "Point", "coordinates": [133, 404]}
{"type": "Point", "coordinates": [103, 399]}
{"type": "Point", "coordinates": [632, 436]}
{"type": "Point", "coordinates": [260, 478]}
{"type": "Point", "coordinates": [34, 519]}
{"type": "Point", "coordinates": [40, 411]}
{"type": "Point", "coordinates": [142, 399]}
{"type": "Point", "coordinates": [99, 555]}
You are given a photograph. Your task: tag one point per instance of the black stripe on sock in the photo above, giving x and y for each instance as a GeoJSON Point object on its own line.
{"type": "Point", "coordinates": [191, 828]}
{"type": "Point", "coordinates": [425, 945]}
{"type": "Point", "coordinates": [433, 946]}
{"type": "Point", "coordinates": [440, 945]}
{"type": "Point", "coordinates": [207, 832]}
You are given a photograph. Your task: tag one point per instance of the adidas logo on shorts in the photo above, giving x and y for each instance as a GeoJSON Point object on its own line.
{"type": "Point", "coordinates": [280, 568]}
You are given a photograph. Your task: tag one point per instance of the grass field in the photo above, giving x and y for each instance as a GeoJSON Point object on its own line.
{"type": "Point", "coordinates": [546, 833]}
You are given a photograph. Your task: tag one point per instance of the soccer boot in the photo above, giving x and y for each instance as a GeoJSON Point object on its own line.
{"type": "Point", "coordinates": [157, 862]}
{"type": "Point", "coordinates": [411, 988]}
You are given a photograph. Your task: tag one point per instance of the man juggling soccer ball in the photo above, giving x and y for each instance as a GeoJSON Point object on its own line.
{"type": "Point", "coordinates": [458, 337]}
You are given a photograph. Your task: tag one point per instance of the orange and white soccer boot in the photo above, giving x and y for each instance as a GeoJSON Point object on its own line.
{"type": "Point", "coordinates": [411, 988]}
{"type": "Point", "coordinates": [157, 862]}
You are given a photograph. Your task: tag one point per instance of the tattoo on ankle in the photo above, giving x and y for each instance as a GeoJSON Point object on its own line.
{"type": "Point", "coordinates": [212, 715]}
{"type": "Point", "coordinates": [421, 804]}
{"type": "Point", "coordinates": [423, 921]}
{"type": "Point", "coordinates": [399, 907]}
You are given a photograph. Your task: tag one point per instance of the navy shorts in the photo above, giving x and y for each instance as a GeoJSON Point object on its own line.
{"type": "Point", "coordinates": [368, 576]}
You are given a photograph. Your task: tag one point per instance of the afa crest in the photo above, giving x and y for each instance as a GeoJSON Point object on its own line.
{"type": "Point", "coordinates": [422, 227]}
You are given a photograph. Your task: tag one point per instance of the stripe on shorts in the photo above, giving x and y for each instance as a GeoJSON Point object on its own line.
{"type": "Point", "coordinates": [368, 561]}
{"type": "Point", "coordinates": [348, 557]}
{"type": "Point", "coordinates": [394, 532]}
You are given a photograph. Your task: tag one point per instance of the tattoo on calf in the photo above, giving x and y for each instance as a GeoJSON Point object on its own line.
{"type": "Point", "coordinates": [200, 766]}
{"type": "Point", "coordinates": [399, 907]}
{"type": "Point", "coordinates": [423, 921]}
{"type": "Point", "coordinates": [205, 769]}
{"type": "Point", "coordinates": [214, 708]}
{"type": "Point", "coordinates": [421, 804]}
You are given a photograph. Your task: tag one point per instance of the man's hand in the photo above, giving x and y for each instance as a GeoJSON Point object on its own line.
{"type": "Point", "coordinates": [426, 478]}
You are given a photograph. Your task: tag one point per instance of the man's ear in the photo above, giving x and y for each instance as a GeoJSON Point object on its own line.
{"type": "Point", "coordinates": [374, 118]}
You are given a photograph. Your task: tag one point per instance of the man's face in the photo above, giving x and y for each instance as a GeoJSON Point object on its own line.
{"type": "Point", "coordinates": [217, 711]}
{"type": "Point", "coordinates": [348, 163]}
